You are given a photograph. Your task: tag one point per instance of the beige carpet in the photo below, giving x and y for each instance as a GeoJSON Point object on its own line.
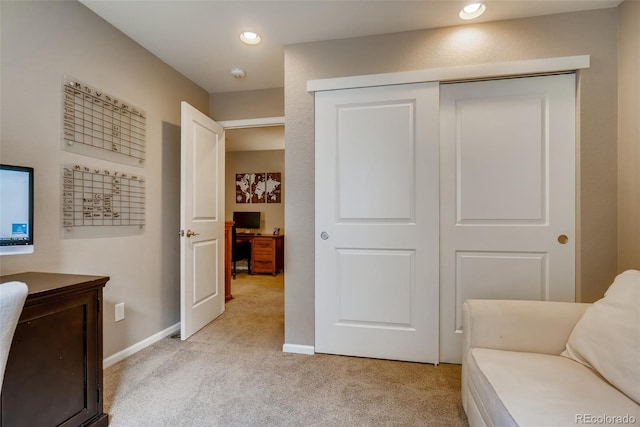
{"type": "Point", "coordinates": [233, 373]}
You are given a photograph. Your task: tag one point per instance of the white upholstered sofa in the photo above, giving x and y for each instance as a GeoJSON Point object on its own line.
{"type": "Point", "coordinates": [537, 363]}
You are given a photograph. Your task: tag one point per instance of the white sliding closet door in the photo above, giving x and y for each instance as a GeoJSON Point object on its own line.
{"type": "Point", "coordinates": [377, 222]}
{"type": "Point", "coordinates": [507, 196]}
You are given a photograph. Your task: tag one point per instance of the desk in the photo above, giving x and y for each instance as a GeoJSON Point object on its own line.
{"type": "Point", "coordinates": [267, 252]}
{"type": "Point", "coordinates": [54, 370]}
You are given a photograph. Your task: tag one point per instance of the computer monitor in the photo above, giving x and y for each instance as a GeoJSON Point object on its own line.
{"type": "Point", "coordinates": [16, 210]}
{"type": "Point", "coordinates": [247, 220]}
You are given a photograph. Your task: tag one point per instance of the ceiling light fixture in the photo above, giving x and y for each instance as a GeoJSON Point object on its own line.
{"type": "Point", "coordinates": [249, 37]}
{"type": "Point", "coordinates": [472, 11]}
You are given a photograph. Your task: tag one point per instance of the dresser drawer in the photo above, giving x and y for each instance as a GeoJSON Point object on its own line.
{"type": "Point", "coordinates": [262, 266]}
{"type": "Point", "coordinates": [263, 244]}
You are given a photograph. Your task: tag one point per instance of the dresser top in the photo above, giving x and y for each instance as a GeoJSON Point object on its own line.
{"type": "Point", "coordinates": [44, 283]}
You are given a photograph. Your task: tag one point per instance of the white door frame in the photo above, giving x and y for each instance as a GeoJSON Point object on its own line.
{"type": "Point", "coordinates": [459, 73]}
{"type": "Point", "coordinates": [252, 123]}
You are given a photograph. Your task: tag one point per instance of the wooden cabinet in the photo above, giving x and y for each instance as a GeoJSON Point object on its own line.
{"type": "Point", "coordinates": [267, 253]}
{"type": "Point", "coordinates": [54, 371]}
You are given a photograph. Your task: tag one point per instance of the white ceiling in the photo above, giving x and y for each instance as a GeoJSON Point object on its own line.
{"type": "Point", "coordinates": [200, 38]}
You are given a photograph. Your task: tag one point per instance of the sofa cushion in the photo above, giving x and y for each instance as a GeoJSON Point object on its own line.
{"type": "Point", "coordinates": [531, 389]}
{"type": "Point", "coordinates": [607, 337]}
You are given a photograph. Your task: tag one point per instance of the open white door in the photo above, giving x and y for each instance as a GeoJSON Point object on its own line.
{"type": "Point", "coordinates": [507, 195]}
{"type": "Point", "coordinates": [201, 221]}
{"type": "Point", "coordinates": [377, 222]}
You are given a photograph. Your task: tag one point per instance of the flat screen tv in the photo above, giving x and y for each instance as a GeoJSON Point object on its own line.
{"type": "Point", "coordinates": [16, 210]}
{"type": "Point", "coordinates": [247, 220]}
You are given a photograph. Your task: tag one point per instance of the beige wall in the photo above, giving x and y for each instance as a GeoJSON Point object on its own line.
{"type": "Point", "coordinates": [255, 161]}
{"type": "Point", "coordinates": [629, 137]}
{"type": "Point", "coordinates": [249, 104]}
{"type": "Point", "coordinates": [41, 42]}
{"type": "Point", "coordinates": [593, 33]}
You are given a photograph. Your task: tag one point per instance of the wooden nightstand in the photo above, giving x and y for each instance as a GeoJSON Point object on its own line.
{"type": "Point", "coordinates": [267, 254]}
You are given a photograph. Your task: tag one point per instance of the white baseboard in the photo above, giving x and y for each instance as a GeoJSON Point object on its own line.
{"type": "Point", "coordinates": [121, 355]}
{"type": "Point", "coordinates": [299, 349]}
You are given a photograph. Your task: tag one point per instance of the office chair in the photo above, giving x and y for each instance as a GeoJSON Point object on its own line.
{"type": "Point", "coordinates": [239, 251]}
{"type": "Point", "coordinates": [12, 298]}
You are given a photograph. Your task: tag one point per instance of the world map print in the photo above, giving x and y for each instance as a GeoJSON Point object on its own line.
{"type": "Point", "coordinates": [264, 187]}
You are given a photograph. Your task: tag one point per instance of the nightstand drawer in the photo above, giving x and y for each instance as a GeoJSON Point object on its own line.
{"type": "Point", "coordinates": [266, 252]}
{"type": "Point", "coordinates": [262, 255]}
{"type": "Point", "coordinates": [262, 266]}
{"type": "Point", "coordinates": [262, 244]}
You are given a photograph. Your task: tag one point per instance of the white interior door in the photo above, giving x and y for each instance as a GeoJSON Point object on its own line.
{"type": "Point", "coordinates": [376, 281]}
{"type": "Point", "coordinates": [201, 220]}
{"type": "Point", "coordinates": [507, 195]}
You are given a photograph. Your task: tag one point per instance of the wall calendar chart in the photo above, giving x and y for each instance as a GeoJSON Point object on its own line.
{"type": "Point", "coordinates": [100, 202]}
{"type": "Point", "coordinates": [99, 125]}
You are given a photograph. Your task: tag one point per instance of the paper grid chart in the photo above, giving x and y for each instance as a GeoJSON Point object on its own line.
{"type": "Point", "coordinates": [100, 125]}
{"type": "Point", "coordinates": [101, 202]}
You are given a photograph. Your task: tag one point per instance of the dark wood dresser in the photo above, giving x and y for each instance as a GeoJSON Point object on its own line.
{"type": "Point", "coordinates": [54, 372]}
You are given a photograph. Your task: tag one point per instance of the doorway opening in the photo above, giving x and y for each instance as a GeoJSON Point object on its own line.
{"type": "Point", "coordinates": [254, 176]}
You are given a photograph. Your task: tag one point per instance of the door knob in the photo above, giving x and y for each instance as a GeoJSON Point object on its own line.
{"type": "Point", "coordinates": [191, 233]}
{"type": "Point", "coordinates": [563, 239]}
{"type": "Point", "coordinates": [324, 235]}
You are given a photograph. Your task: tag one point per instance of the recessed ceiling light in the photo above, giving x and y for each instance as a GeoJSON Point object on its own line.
{"type": "Point", "coordinates": [472, 11]}
{"type": "Point", "coordinates": [249, 37]}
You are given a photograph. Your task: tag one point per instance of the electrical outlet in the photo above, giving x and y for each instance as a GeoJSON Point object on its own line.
{"type": "Point", "coordinates": [119, 312]}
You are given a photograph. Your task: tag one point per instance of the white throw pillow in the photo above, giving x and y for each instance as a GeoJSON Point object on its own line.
{"type": "Point", "coordinates": [607, 337]}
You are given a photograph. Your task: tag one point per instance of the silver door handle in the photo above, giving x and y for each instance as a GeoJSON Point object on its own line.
{"type": "Point", "coordinates": [324, 235]}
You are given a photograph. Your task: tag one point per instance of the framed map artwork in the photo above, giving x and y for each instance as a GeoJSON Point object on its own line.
{"type": "Point", "coordinates": [274, 187]}
{"type": "Point", "coordinates": [263, 187]}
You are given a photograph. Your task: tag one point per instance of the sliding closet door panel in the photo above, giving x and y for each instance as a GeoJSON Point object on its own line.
{"type": "Point", "coordinates": [377, 222]}
{"type": "Point", "coordinates": [507, 195]}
